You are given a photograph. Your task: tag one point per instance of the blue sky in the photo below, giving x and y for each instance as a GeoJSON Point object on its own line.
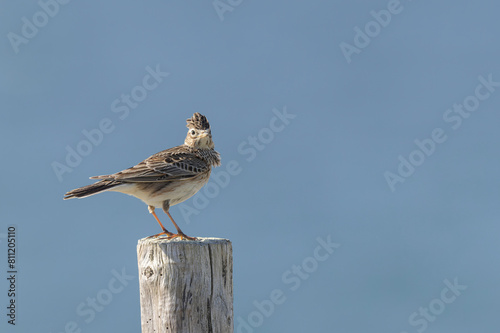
{"type": "Point", "coordinates": [359, 143]}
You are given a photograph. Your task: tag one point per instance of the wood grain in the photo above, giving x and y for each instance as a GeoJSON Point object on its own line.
{"type": "Point", "coordinates": [186, 286]}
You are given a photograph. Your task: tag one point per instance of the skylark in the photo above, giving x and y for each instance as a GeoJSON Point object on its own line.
{"type": "Point", "coordinates": [165, 178]}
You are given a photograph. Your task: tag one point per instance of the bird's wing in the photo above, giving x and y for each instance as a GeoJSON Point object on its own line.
{"type": "Point", "coordinates": [172, 164]}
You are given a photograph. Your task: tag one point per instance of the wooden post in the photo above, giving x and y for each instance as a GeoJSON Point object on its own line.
{"type": "Point", "coordinates": [186, 286]}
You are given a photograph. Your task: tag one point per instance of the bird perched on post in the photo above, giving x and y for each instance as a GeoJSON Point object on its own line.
{"type": "Point", "coordinates": [165, 178]}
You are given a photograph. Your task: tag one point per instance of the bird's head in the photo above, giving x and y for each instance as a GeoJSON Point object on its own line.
{"type": "Point", "coordinates": [199, 134]}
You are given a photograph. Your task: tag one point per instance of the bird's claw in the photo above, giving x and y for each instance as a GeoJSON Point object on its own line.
{"type": "Point", "coordinates": [181, 235]}
{"type": "Point", "coordinates": [166, 233]}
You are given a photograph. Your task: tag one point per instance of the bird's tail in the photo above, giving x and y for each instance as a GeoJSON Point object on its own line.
{"type": "Point", "coordinates": [92, 189]}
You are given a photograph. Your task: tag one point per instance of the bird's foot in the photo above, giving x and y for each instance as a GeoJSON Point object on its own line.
{"type": "Point", "coordinates": [181, 235]}
{"type": "Point", "coordinates": [166, 233]}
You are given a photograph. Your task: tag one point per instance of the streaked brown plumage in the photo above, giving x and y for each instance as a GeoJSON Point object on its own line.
{"type": "Point", "coordinates": [165, 178]}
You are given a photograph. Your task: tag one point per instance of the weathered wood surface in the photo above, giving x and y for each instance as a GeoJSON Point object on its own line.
{"type": "Point", "coordinates": [186, 286]}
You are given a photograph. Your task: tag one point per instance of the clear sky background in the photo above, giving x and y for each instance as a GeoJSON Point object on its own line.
{"type": "Point", "coordinates": [387, 147]}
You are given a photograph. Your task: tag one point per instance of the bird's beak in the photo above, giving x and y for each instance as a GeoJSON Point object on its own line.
{"type": "Point", "coordinates": [205, 133]}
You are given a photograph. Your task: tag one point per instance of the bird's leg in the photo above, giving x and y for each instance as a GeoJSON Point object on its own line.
{"type": "Point", "coordinates": [180, 234]}
{"type": "Point", "coordinates": [165, 231]}
{"type": "Point", "coordinates": [179, 231]}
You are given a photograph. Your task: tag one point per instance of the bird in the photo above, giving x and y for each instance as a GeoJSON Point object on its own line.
{"type": "Point", "coordinates": [165, 178]}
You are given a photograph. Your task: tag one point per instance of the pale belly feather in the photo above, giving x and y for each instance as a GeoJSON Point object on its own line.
{"type": "Point", "coordinates": [154, 194]}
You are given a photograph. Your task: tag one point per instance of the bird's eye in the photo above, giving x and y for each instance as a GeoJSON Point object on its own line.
{"type": "Point", "coordinates": [192, 132]}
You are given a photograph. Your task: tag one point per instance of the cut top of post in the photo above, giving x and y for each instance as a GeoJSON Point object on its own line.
{"type": "Point", "coordinates": [203, 240]}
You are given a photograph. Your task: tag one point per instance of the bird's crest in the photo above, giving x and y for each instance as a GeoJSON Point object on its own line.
{"type": "Point", "coordinates": [198, 121]}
